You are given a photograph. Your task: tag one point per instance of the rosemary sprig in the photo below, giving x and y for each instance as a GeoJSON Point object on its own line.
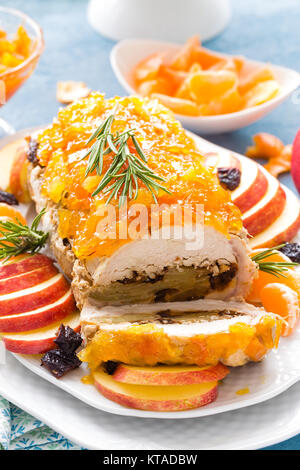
{"type": "Point", "coordinates": [276, 268]}
{"type": "Point", "coordinates": [18, 238]}
{"type": "Point", "coordinates": [127, 169]}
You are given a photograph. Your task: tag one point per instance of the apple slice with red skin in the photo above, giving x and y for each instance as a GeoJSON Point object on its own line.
{"type": "Point", "coordinates": [253, 185]}
{"type": "Point", "coordinates": [41, 340]}
{"type": "Point", "coordinates": [254, 182]}
{"type": "Point", "coordinates": [169, 375]}
{"type": "Point", "coordinates": [295, 163]}
{"type": "Point", "coordinates": [26, 280]}
{"type": "Point", "coordinates": [18, 175]}
{"type": "Point", "coordinates": [266, 211]}
{"type": "Point", "coordinates": [35, 297]}
{"type": "Point", "coordinates": [155, 397]}
{"type": "Point", "coordinates": [39, 318]}
{"type": "Point", "coordinates": [23, 264]}
{"type": "Point", "coordinates": [284, 228]}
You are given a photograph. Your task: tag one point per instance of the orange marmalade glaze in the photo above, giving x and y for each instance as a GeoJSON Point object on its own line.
{"type": "Point", "coordinates": [171, 153]}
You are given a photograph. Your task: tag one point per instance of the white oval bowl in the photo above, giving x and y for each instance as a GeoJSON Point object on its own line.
{"type": "Point", "coordinates": [126, 54]}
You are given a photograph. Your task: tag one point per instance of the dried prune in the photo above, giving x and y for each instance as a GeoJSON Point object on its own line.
{"type": "Point", "coordinates": [110, 367]}
{"type": "Point", "coordinates": [32, 151]}
{"type": "Point", "coordinates": [229, 178]}
{"type": "Point", "coordinates": [62, 360]}
{"type": "Point", "coordinates": [8, 198]}
{"type": "Point", "coordinates": [59, 363]}
{"type": "Point", "coordinates": [67, 339]}
{"type": "Point", "coordinates": [292, 251]}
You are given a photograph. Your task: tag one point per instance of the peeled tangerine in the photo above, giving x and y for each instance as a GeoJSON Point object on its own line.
{"type": "Point", "coordinates": [282, 300]}
{"type": "Point", "coordinates": [217, 84]}
{"type": "Point", "coordinates": [290, 277]}
{"type": "Point", "coordinates": [156, 397]}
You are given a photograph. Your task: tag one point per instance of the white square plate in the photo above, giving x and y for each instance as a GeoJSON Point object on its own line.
{"type": "Point", "coordinates": [249, 428]}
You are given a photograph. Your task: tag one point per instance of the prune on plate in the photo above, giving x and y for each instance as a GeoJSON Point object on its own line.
{"type": "Point", "coordinates": [292, 251]}
{"type": "Point", "coordinates": [8, 198]}
{"type": "Point", "coordinates": [59, 363]}
{"type": "Point", "coordinates": [67, 339]}
{"type": "Point", "coordinates": [62, 360]}
{"type": "Point", "coordinates": [229, 178]}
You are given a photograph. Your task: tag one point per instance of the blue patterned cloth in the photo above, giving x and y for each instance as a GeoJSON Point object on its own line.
{"type": "Point", "coordinates": [21, 431]}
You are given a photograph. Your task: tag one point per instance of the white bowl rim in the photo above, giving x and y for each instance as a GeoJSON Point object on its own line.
{"type": "Point", "coordinates": [219, 117]}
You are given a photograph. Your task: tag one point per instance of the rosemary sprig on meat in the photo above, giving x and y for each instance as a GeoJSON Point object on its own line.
{"type": "Point", "coordinates": [17, 238]}
{"type": "Point", "coordinates": [276, 268]}
{"type": "Point", "coordinates": [127, 169]}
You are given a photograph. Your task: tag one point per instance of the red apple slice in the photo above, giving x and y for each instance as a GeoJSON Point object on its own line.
{"type": "Point", "coordinates": [18, 175]}
{"type": "Point", "coordinates": [39, 318]}
{"type": "Point", "coordinates": [253, 183]}
{"type": "Point", "coordinates": [35, 297]}
{"type": "Point", "coordinates": [169, 375]}
{"type": "Point", "coordinates": [23, 264]}
{"type": "Point", "coordinates": [38, 341]}
{"type": "Point", "coordinates": [266, 211]}
{"type": "Point", "coordinates": [26, 280]}
{"type": "Point", "coordinates": [285, 226]}
{"type": "Point", "coordinates": [155, 397]}
{"type": "Point", "coordinates": [252, 187]}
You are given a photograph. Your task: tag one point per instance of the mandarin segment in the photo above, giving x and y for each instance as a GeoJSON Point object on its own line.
{"type": "Point", "coordinates": [284, 301]}
{"type": "Point", "coordinates": [158, 85]}
{"type": "Point", "coordinates": [184, 58]}
{"type": "Point", "coordinates": [262, 92]}
{"type": "Point", "coordinates": [206, 58]}
{"type": "Point", "coordinates": [230, 102]}
{"type": "Point", "coordinates": [174, 77]}
{"type": "Point", "coordinates": [206, 86]}
{"type": "Point", "coordinates": [178, 105]}
{"type": "Point", "coordinates": [148, 68]}
{"type": "Point", "coordinates": [9, 212]}
{"type": "Point", "coordinates": [250, 80]}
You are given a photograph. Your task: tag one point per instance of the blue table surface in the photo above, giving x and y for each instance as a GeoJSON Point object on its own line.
{"type": "Point", "coordinates": [265, 30]}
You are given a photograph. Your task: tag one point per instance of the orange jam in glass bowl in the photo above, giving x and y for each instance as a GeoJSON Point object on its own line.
{"type": "Point", "coordinates": [21, 44]}
{"type": "Point", "coordinates": [171, 153]}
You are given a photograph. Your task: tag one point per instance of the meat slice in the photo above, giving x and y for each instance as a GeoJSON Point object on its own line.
{"type": "Point", "coordinates": [149, 270]}
{"type": "Point", "coordinates": [200, 332]}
